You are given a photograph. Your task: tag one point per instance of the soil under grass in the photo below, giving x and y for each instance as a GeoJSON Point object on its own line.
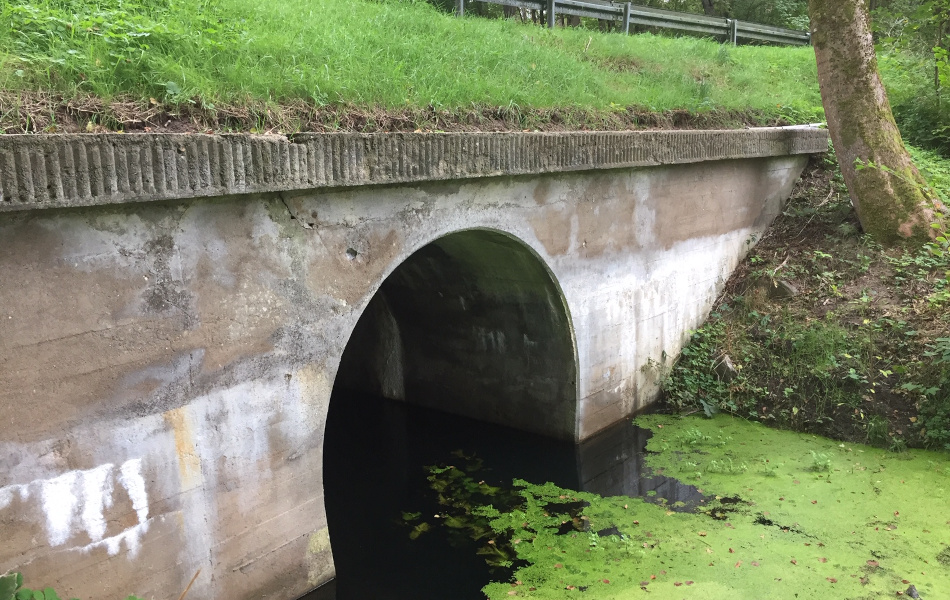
{"type": "Point", "coordinates": [42, 112]}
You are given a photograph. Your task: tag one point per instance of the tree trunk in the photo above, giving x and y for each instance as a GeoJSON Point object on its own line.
{"type": "Point", "coordinates": [892, 200]}
{"type": "Point", "coordinates": [708, 8]}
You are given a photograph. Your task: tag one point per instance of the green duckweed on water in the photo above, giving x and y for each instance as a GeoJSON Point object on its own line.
{"type": "Point", "coordinates": [787, 516]}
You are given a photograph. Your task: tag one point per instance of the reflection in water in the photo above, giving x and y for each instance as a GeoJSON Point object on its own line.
{"type": "Point", "coordinates": [613, 464]}
{"type": "Point", "coordinates": [376, 451]}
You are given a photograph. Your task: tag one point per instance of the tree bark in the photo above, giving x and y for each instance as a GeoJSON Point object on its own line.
{"type": "Point", "coordinates": [892, 200]}
{"type": "Point", "coordinates": [709, 8]}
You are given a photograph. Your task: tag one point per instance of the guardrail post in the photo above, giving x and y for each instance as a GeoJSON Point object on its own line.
{"type": "Point", "coordinates": [460, 8]}
{"type": "Point", "coordinates": [550, 12]}
{"type": "Point", "coordinates": [733, 31]}
{"type": "Point", "coordinates": [626, 18]}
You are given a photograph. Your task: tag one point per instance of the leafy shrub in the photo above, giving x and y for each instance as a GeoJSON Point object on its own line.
{"type": "Point", "coordinates": [11, 588]}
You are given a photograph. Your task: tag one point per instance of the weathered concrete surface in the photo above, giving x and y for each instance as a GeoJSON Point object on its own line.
{"type": "Point", "coordinates": [166, 367]}
{"type": "Point", "coordinates": [46, 171]}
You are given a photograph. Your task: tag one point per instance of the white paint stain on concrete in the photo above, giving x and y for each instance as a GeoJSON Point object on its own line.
{"type": "Point", "coordinates": [7, 493]}
{"type": "Point", "coordinates": [131, 536]}
{"type": "Point", "coordinates": [76, 502]}
{"type": "Point", "coordinates": [131, 479]}
{"type": "Point", "coordinates": [59, 504]}
{"type": "Point", "coordinates": [97, 498]}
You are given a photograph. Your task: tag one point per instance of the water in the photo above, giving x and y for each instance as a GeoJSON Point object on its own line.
{"type": "Point", "coordinates": [376, 451]}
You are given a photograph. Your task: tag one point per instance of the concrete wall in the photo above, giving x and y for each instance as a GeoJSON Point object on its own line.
{"type": "Point", "coordinates": [165, 365]}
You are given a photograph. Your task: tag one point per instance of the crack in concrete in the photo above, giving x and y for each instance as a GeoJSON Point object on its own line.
{"type": "Point", "coordinates": [290, 211]}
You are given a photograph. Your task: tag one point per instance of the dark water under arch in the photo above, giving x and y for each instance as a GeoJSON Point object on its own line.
{"type": "Point", "coordinates": [376, 451]}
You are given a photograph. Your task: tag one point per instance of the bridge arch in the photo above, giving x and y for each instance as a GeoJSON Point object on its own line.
{"type": "Point", "coordinates": [473, 323]}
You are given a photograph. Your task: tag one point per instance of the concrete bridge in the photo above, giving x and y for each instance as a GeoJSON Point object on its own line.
{"type": "Point", "coordinates": [174, 311]}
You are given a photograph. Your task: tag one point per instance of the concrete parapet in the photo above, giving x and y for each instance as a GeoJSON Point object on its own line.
{"type": "Point", "coordinates": [58, 171]}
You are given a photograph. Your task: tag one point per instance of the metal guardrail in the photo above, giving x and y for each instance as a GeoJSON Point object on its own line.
{"type": "Point", "coordinates": [628, 14]}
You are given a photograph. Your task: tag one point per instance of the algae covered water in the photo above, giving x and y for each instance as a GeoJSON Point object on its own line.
{"type": "Point", "coordinates": [790, 516]}
{"type": "Point", "coordinates": [425, 505]}
{"type": "Point", "coordinates": [378, 492]}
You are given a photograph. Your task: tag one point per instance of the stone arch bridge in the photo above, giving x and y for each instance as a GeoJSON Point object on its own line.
{"type": "Point", "coordinates": [174, 309]}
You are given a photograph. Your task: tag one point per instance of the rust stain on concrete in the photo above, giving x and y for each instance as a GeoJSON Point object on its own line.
{"type": "Point", "coordinates": [189, 464]}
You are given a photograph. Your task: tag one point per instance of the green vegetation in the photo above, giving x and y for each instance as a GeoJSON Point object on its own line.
{"type": "Point", "coordinates": [862, 353]}
{"type": "Point", "coordinates": [227, 55]}
{"type": "Point", "coordinates": [913, 38]}
{"type": "Point", "coordinates": [821, 519]}
{"type": "Point", "coordinates": [11, 588]}
{"type": "Point", "coordinates": [374, 65]}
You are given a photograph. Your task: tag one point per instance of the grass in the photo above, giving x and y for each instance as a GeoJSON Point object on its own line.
{"type": "Point", "coordinates": [390, 54]}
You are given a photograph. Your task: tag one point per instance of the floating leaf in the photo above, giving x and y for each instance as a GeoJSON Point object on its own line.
{"type": "Point", "coordinates": [418, 530]}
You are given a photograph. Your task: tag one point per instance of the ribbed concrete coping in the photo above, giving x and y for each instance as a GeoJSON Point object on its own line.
{"type": "Point", "coordinates": [55, 171]}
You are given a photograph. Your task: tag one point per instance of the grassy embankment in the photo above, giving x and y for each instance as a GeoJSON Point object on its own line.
{"type": "Point", "coordinates": [359, 64]}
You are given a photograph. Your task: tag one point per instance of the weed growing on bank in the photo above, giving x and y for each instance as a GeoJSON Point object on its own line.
{"type": "Point", "coordinates": [824, 331]}
{"type": "Point", "coordinates": [11, 588]}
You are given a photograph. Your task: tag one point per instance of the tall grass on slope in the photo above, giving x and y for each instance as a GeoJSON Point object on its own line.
{"type": "Point", "coordinates": [384, 53]}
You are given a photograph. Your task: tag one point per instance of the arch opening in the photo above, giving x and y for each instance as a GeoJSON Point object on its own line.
{"type": "Point", "coordinates": [471, 324]}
